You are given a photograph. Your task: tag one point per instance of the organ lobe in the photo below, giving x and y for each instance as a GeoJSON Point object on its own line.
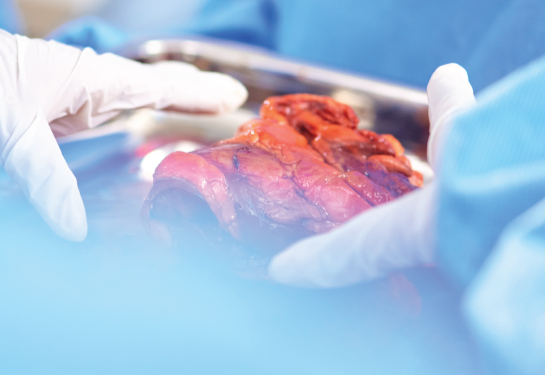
{"type": "Point", "coordinates": [303, 168]}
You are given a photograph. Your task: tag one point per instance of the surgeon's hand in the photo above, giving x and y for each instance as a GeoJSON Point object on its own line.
{"type": "Point", "coordinates": [48, 89]}
{"type": "Point", "coordinates": [394, 235]}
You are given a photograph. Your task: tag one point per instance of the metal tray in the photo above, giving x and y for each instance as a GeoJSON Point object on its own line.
{"type": "Point", "coordinates": [145, 137]}
{"type": "Point", "coordinates": [383, 107]}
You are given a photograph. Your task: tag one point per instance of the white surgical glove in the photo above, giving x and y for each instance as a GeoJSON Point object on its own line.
{"type": "Point", "coordinates": [48, 89]}
{"type": "Point", "coordinates": [395, 235]}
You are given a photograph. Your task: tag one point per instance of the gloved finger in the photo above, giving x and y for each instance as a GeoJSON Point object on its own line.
{"type": "Point", "coordinates": [35, 162]}
{"type": "Point", "coordinates": [80, 89]}
{"type": "Point", "coordinates": [388, 237]}
{"type": "Point", "coordinates": [201, 92]}
{"type": "Point", "coordinates": [449, 94]}
{"type": "Point", "coordinates": [103, 85]}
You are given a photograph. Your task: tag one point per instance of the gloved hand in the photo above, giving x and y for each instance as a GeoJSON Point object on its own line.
{"type": "Point", "coordinates": [48, 89]}
{"type": "Point", "coordinates": [395, 235]}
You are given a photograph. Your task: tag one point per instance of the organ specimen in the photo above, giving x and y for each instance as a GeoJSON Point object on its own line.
{"type": "Point", "coordinates": [303, 168]}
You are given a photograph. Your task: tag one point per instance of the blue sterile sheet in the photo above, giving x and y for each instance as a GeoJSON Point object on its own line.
{"type": "Point", "coordinates": [399, 40]}
{"type": "Point", "coordinates": [118, 303]}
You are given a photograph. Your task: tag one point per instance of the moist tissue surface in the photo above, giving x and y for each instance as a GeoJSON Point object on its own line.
{"type": "Point", "coordinates": [302, 168]}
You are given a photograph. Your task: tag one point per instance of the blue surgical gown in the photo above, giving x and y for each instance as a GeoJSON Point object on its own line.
{"type": "Point", "coordinates": [491, 223]}
{"type": "Point", "coordinates": [9, 17]}
{"type": "Point", "coordinates": [398, 40]}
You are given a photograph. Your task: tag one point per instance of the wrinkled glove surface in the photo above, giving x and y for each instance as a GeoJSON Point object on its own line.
{"type": "Point", "coordinates": [394, 235]}
{"type": "Point", "coordinates": [48, 89]}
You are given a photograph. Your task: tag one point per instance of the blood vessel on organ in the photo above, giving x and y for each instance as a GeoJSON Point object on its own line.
{"type": "Point", "coordinates": [303, 168]}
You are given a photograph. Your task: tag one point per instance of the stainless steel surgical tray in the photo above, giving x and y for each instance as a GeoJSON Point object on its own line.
{"type": "Point", "coordinates": [382, 106]}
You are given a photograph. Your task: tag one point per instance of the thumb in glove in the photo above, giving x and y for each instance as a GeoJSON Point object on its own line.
{"type": "Point", "coordinates": [35, 162]}
{"type": "Point", "coordinates": [394, 235]}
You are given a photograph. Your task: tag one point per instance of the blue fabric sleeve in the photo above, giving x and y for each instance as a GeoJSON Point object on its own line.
{"type": "Point", "coordinates": [9, 17]}
{"type": "Point", "coordinates": [493, 170]}
{"type": "Point", "coordinates": [504, 306]}
{"type": "Point", "coordinates": [396, 40]}
{"type": "Point", "coordinates": [491, 220]}
{"type": "Point", "coordinates": [245, 21]}
{"type": "Point", "coordinates": [515, 38]}
{"type": "Point", "coordinates": [91, 32]}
